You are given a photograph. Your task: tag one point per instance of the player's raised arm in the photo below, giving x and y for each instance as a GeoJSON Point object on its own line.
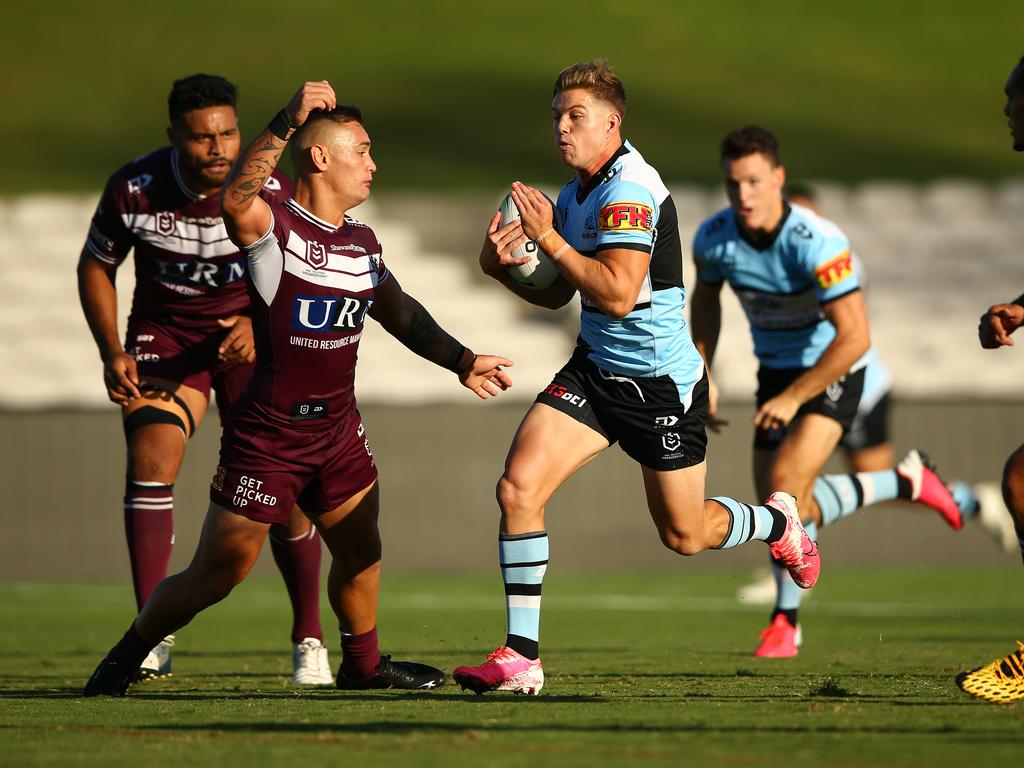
{"type": "Point", "coordinates": [999, 322]}
{"type": "Point", "coordinates": [407, 320]}
{"type": "Point", "coordinates": [246, 216]}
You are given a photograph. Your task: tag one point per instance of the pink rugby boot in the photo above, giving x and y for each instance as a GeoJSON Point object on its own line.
{"type": "Point", "coordinates": [504, 670]}
{"type": "Point", "coordinates": [928, 488]}
{"type": "Point", "coordinates": [795, 549]}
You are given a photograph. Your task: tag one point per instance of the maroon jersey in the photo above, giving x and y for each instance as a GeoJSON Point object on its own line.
{"type": "Point", "coordinates": [187, 271]}
{"type": "Point", "coordinates": [311, 284]}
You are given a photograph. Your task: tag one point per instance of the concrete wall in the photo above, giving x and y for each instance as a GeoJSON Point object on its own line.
{"type": "Point", "coordinates": [61, 481]}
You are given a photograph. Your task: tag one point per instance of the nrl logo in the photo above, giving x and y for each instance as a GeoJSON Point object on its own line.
{"type": "Point", "coordinates": [316, 254]}
{"type": "Point", "coordinates": [671, 441]}
{"type": "Point", "coordinates": [166, 222]}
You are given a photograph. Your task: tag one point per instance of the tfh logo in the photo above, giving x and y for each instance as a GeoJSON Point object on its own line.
{"type": "Point", "coordinates": [316, 254]}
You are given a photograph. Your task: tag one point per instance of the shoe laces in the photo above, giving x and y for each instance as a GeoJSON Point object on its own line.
{"type": "Point", "coordinates": [501, 653]}
{"type": "Point", "coordinates": [1011, 666]}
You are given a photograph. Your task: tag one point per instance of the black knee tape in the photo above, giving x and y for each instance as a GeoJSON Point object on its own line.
{"type": "Point", "coordinates": [149, 414]}
{"type": "Point", "coordinates": [178, 401]}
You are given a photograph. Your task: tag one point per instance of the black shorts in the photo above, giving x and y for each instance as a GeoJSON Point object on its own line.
{"type": "Point", "coordinates": [643, 414]}
{"type": "Point", "coordinates": [869, 429]}
{"type": "Point", "coordinates": [839, 401]}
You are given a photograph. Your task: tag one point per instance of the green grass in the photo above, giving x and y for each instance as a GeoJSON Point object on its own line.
{"type": "Point", "coordinates": [457, 94]}
{"type": "Point", "coordinates": [642, 670]}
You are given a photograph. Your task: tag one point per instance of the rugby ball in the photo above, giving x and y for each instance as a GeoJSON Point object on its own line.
{"type": "Point", "coordinates": [539, 272]}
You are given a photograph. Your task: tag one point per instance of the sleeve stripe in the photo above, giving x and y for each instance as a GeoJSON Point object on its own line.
{"type": "Point", "coordinates": [642, 247]}
{"type": "Point", "coordinates": [100, 255]}
{"type": "Point", "coordinates": [830, 299]}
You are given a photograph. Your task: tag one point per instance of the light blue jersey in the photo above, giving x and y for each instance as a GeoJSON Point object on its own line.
{"type": "Point", "coordinates": [782, 285]}
{"type": "Point", "coordinates": [626, 205]}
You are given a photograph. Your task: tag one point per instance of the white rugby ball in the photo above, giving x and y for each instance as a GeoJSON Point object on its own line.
{"type": "Point", "coordinates": [539, 271]}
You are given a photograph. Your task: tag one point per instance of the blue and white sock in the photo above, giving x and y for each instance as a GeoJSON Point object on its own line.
{"type": "Point", "coordinates": [839, 496]}
{"type": "Point", "coordinates": [524, 560]}
{"type": "Point", "coordinates": [748, 522]}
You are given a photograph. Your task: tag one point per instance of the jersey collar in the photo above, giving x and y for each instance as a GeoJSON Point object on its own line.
{"type": "Point", "coordinates": [180, 180]}
{"type": "Point", "coordinates": [311, 218]}
{"type": "Point", "coordinates": [764, 242]}
{"type": "Point", "coordinates": [603, 173]}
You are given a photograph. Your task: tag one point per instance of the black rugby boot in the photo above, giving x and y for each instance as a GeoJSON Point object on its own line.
{"type": "Point", "coordinates": [110, 679]}
{"type": "Point", "coordinates": [408, 675]}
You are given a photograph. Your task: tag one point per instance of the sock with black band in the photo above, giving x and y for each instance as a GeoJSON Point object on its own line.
{"type": "Point", "coordinates": [524, 561]}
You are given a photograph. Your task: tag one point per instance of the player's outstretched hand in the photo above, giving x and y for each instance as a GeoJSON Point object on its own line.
{"type": "Point", "coordinates": [777, 412]}
{"type": "Point", "coordinates": [121, 375]}
{"type": "Point", "coordinates": [312, 95]}
{"type": "Point", "coordinates": [998, 323]}
{"type": "Point", "coordinates": [534, 209]}
{"type": "Point", "coordinates": [499, 242]}
{"type": "Point", "coordinates": [485, 376]}
{"type": "Point", "coordinates": [238, 345]}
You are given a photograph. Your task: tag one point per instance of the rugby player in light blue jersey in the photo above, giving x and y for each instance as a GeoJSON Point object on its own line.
{"type": "Point", "coordinates": [868, 448]}
{"type": "Point", "coordinates": [792, 271]}
{"type": "Point", "coordinates": [635, 376]}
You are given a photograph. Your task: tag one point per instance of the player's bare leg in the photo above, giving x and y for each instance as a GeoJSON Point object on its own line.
{"type": "Point", "coordinates": [874, 458]}
{"type": "Point", "coordinates": [351, 534]}
{"type": "Point", "coordinates": [228, 547]}
{"type": "Point", "coordinates": [686, 522]}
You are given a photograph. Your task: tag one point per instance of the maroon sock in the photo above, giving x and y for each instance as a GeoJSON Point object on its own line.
{"type": "Point", "coordinates": [131, 649]}
{"type": "Point", "coordinates": [149, 528]}
{"type": "Point", "coordinates": [299, 563]}
{"type": "Point", "coordinates": [360, 655]}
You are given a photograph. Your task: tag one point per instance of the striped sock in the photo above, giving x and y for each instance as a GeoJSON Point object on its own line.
{"type": "Point", "coordinates": [149, 528]}
{"type": "Point", "coordinates": [748, 522]}
{"type": "Point", "coordinates": [524, 560]}
{"type": "Point", "coordinates": [788, 595]}
{"type": "Point", "coordinates": [839, 496]}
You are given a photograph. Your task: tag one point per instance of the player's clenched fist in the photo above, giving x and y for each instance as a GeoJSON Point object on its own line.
{"type": "Point", "coordinates": [998, 323]}
{"type": "Point", "coordinates": [313, 95]}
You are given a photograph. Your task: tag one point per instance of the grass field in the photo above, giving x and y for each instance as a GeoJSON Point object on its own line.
{"type": "Point", "coordinates": [457, 94]}
{"type": "Point", "coordinates": [642, 670]}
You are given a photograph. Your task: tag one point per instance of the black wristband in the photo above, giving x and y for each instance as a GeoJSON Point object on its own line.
{"type": "Point", "coordinates": [280, 126]}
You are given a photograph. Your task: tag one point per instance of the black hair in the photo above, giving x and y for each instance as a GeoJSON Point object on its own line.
{"type": "Point", "coordinates": [749, 140]}
{"type": "Point", "coordinates": [199, 92]}
{"type": "Point", "coordinates": [1017, 77]}
{"type": "Point", "coordinates": [343, 113]}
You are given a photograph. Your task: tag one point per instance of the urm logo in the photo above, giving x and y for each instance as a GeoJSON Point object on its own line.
{"type": "Point", "coordinates": [329, 314]}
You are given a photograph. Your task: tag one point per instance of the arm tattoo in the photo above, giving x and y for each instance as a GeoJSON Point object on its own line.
{"type": "Point", "coordinates": [254, 167]}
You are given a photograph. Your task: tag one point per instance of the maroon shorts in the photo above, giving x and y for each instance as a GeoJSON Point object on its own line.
{"type": "Point", "coordinates": [187, 356]}
{"type": "Point", "coordinates": [267, 467]}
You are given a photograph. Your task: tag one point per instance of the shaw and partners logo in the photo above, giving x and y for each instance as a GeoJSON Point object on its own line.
{"type": "Point", "coordinates": [329, 314]}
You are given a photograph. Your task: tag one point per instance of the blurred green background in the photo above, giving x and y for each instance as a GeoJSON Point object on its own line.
{"type": "Point", "coordinates": [456, 94]}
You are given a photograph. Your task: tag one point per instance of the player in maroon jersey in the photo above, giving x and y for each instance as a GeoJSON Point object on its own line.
{"type": "Point", "coordinates": [189, 333]}
{"type": "Point", "coordinates": [315, 274]}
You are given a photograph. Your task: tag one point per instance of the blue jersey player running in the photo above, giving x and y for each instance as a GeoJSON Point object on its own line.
{"type": "Point", "coordinates": [634, 378]}
{"type": "Point", "coordinates": [792, 271]}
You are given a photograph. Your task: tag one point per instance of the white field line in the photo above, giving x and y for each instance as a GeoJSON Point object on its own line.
{"type": "Point", "coordinates": [612, 602]}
